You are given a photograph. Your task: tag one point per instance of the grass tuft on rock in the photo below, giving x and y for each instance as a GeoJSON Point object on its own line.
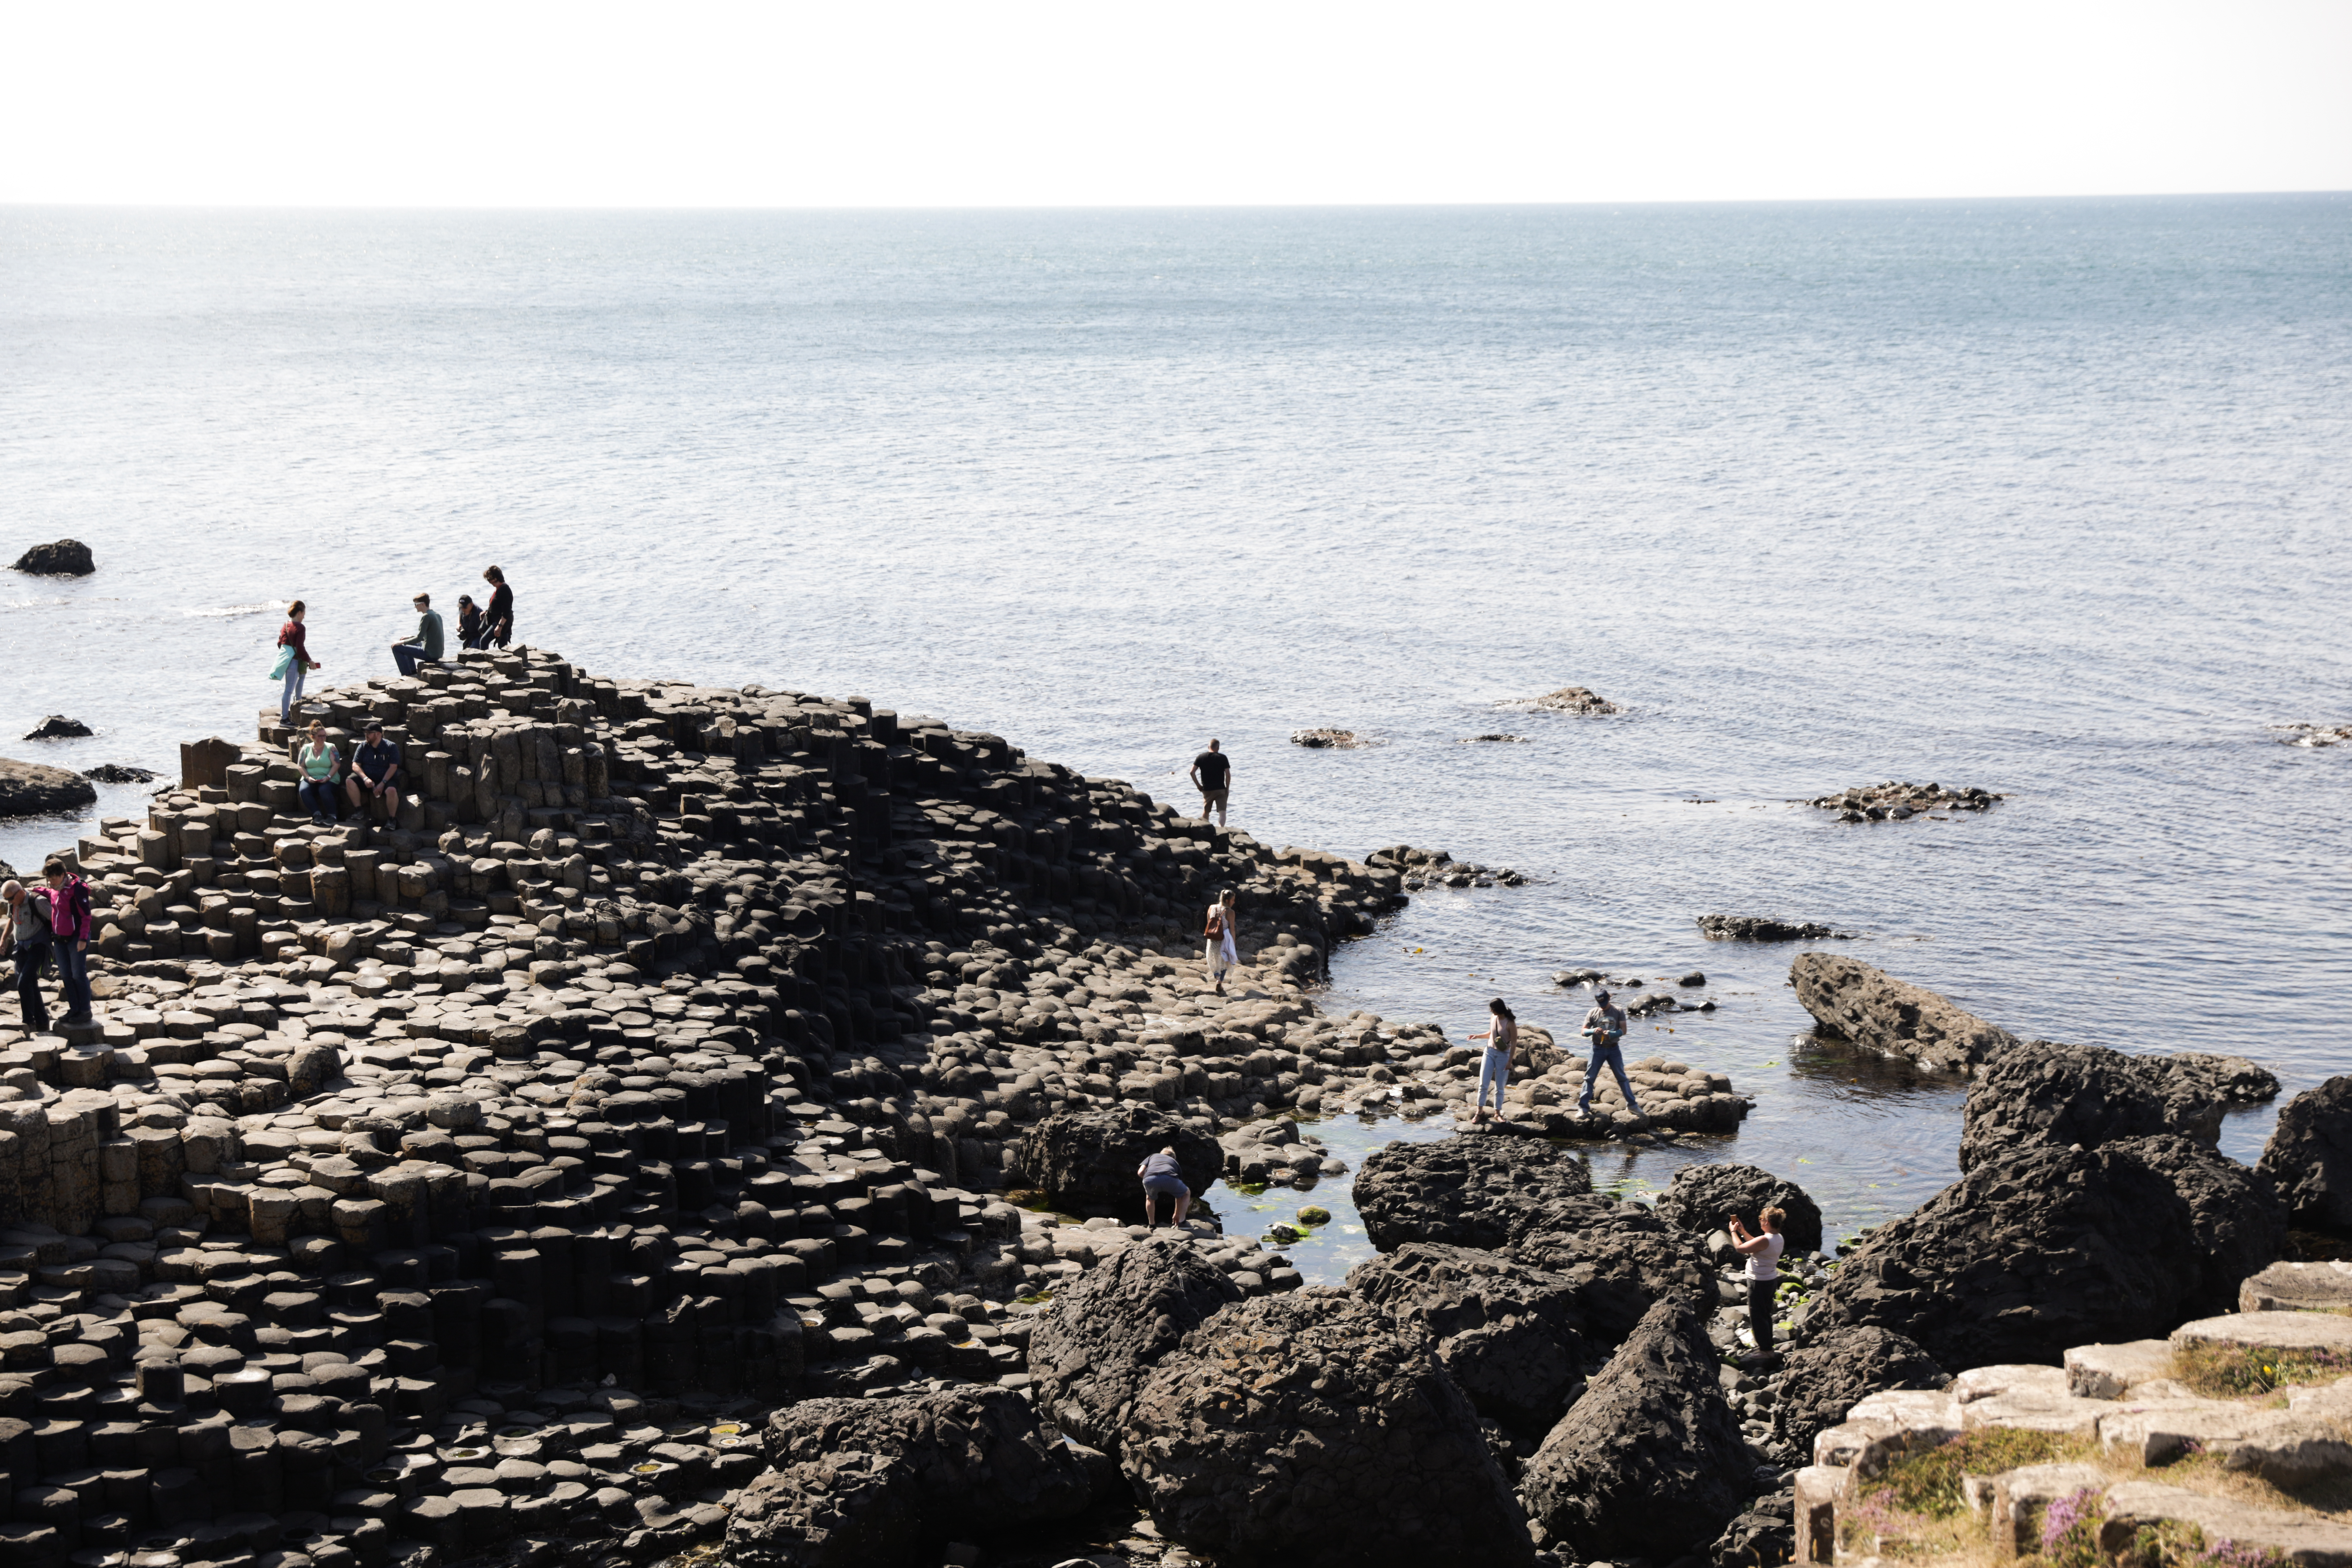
{"type": "Point", "coordinates": [2220, 1371]}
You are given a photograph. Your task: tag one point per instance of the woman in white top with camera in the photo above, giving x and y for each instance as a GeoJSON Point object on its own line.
{"type": "Point", "coordinates": [1763, 1254]}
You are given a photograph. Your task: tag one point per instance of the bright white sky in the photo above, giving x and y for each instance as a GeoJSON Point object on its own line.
{"type": "Point", "coordinates": [835, 104]}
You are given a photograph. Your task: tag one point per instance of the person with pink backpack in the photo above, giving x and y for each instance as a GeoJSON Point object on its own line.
{"type": "Point", "coordinates": [69, 930]}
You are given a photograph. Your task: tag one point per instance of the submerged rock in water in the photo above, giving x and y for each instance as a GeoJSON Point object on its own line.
{"type": "Point", "coordinates": [117, 774]}
{"type": "Point", "coordinates": [65, 558]}
{"type": "Point", "coordinates": [57, 727]}
{"type": "Point", "coordinates": [2314, 734]}
{"type": "Point", "coordinates": [2309, 1157]}
{"type": "Point", "coordinates": [1313, 1431]}
{"type": "Point", "coordinates": [1896, 800]}
{"type": "Point", "coordinates": [1103, 1335]}
{"type": "Point", "coordinates": [1764, 928]}
{"type": "Point", "coordinates": [1329, 740]}
{"type": "Point", "coordinates": [1420, 869]}
{"type": "Point", "coordinates": [1494, 740]}
{"type": "Point", "coordinates": [1650, 1462]}
{"type": "Point", "coordinates": [1879, 1013]}
{"type": "Point", "coordinates": [1572, 700]}
{"type": "Point", "coordinates": [27, 789]}
{"type": "Point", "coordinates": [2050, 1246]}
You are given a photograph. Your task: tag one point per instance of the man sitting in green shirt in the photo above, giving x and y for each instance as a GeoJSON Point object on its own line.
{"type": "Point", "coordinates": [425, 646]}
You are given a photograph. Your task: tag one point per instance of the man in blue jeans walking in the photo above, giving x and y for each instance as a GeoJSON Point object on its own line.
{"type": "Point", "coordinates": [1604, 1031]}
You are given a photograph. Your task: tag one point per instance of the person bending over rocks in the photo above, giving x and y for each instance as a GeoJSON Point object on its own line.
{"type": "Point", "coordinates": [1212, 772]}
{"type": "Point", "coordinates": [1763, 1254]}
{"type": "Point", "coordinates": [1162, 1177]}
{"type": "Point", "coordinates": [375, 774]}
{"type": "Point", "coordinates": [469, 622]}
{"type": "Point", "coordinates": [1502, 1037]}
{"type": "Point", "coordinates": [1604, 1032]}
{"type": "Point", "coordinates": [1222, 953]}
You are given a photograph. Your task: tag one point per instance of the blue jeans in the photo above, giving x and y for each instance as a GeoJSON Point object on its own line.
{"type": "Point", "coordinates": [293, 692]}
{"type": "Point", "coordinates": [73, 963]}
{"type": "Point", "coordinates": [319, 798]}
{"type": "Point", "coordinates": [408, 656]}
{"type": "Point", "coordinates": [1614, 1055]}
{"type": "Point", "coordinates": [1495, 1068]}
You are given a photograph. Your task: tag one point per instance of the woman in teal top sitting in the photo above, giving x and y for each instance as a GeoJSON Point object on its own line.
{"type": "Point", "coordinates": [320, 766]}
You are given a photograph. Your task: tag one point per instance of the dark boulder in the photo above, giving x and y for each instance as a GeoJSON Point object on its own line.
{"type": "Point", "coordinates": [1469, 1190]}
{"type": "Point", "coordinates": [1510, 1334]}
{"type": "Point", "coordinates": [1699, 1197]}
{"type": "Point", "coordinates": [2223, 1080]}
{"type": "Point", "coordinates": [1085, 1161]}
{"type": "Point", "coordinates": [57, 727]}
{"type": "Point", "coordinates": [1829, 1374]}
{"type": "Point", "coordinates": [2309, 1157]}
{"type": "Point", "coordinates": [1763, 1537]}
{"type": "Point", "coordinates": [118, 774]}
{"type": "Point", "coordinates": [1879, 1013]}
{"type": "Point", "coordinates": [65, 558]}
{"type": "Point", "coordinates": [1312, 1431]}
{"type": "Point", "coordinates": [1762, 928]}
{"type": "Point", "coordinates": [29, 789]}
{"type": "Point", "coordinates": [1109, 1328]}
{"type": "Point", "coordinates": [2052, 1246]}
{"type": "Point", "coordinates": [1650, 1462]}
{"type": "Point", "coordinates": [1621, 1258]}
{"type": "Point", "coordinates": [2044, 1093]}
{"type": "Point", "coordinates": [885, 1483]}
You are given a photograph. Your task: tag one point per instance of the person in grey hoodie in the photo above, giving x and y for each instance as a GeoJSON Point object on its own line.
{"type": "Point", "coordinates": [425, 646]}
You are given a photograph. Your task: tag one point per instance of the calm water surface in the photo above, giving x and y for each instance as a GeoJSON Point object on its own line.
{"type": "Point", "coordinates": [2047, 497]}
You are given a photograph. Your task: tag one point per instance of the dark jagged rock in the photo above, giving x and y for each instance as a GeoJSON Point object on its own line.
{"type": "Point", "coordinates": [884, 1483]}
{"type": "Point", "coordinates": [1085, 1161]}
{"type": "Point", "coordinates": [1580, 699]}
{"type": "Point", "coordinates": [1897, 802]}
{"type": "Point", "coordinates": [1650, 1462]}
{"type": "Point", "coordinates": [1763, 1537]}
{"type": "Point", "coordinates": [1312, 1431]}
{"type": "Point", "coordinates": [29, 789]}
{"type": "Point", "coordinates": [1469, 1190]}
{"type": "Point", "coordinates": [1764, 928]}
{"type": "Point", "coordinates": [2309, 1157]}
{"type": "Point", "coordinates": [118, 774]}
{"type": "Point", "coordinates": [2049, 1247]}
{"type": "Point", "coordinates": [65, 558]}
{"type": "Point", "coordinates": [2222, 1080]}
{"type": "Point", "coordinates": [2314, 735]}
{"type": "Point", "coordinates": [1832, 1373]}
{"type": "Point", "coordinates": [57, 727]}
{"type": "Point", "coordinates": [1852, 1001]}
{"type": "Point", "coordinates": [1419, 868]}
{"type": "Point", "coordinates": [1105, 1333]}
{"type": "Point", "coordinates": [2044, 1093]}
{"type": "Point", "coordinates": [1508, 1333]}
{"type": "Point", "coordinates": [1699, 1197]}
{"type": "Point", "coordinates": [1329, 740]}
{"type": "Point", "coordinates": [1621, 1258]}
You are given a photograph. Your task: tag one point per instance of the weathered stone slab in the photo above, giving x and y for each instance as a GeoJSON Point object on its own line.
{"type": "Point", "coordinates": [2271, 1331]}
{"type": "Point", "coordinates": [2110, 1371]}
{"type": "Point", "coordinates": [2298, 1287]}
{"type": "Point", "coordinates": [2310, 1541]}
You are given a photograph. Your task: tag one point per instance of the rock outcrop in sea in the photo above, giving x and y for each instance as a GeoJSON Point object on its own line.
{"type": "Point", "coordinates": [1896, 800]}
{"type": "Point", "coordinates": [65, 558]}
{"type": "Point", "coordinates": [1763, 928]}
{"type": "Point", "coordinates": [33, 789]}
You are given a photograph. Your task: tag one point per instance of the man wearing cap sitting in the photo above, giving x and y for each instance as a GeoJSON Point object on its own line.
{"type": "Point", "coordinates": [376, 773]}
{"type": "Point", "coordinates": [1604, 1032]}
{"type": "Point", "coordinates": [425, 646]}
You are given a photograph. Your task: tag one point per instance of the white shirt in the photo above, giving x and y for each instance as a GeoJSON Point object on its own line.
{"type": "Point", "coordinates": [1765, 1263]}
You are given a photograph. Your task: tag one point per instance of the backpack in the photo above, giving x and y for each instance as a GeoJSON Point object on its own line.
{"type": "Point", "coordinates": [69, 910]}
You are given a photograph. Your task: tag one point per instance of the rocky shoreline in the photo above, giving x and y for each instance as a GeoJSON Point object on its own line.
{"type": "Point", "coordinates": [715, 1113]}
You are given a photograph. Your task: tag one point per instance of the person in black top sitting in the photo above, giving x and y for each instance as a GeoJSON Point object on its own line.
{"type": "Point", "coordinates": [498, 621]}
{"type": "Point", "coordinates": [1212, 772]}
{"type": "Point", "coordinates": [375, 774]}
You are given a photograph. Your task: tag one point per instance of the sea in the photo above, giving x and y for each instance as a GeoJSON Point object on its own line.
{"type": "Point", "coordinates": [2052, 498]}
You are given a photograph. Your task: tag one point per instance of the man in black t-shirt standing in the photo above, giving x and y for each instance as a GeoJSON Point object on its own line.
{"type": "Point", "coordinates": [1212, 771]}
